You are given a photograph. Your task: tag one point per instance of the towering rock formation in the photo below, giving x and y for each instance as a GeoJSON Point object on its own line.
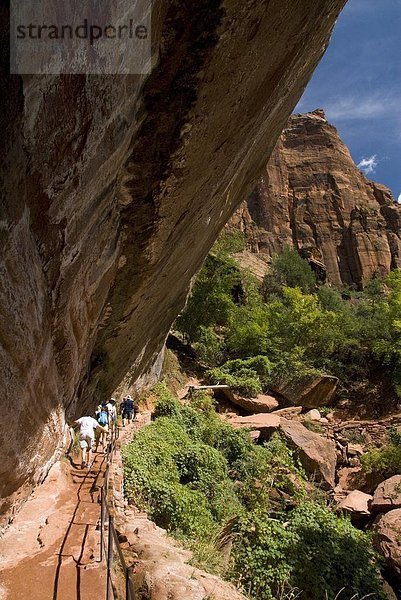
{"type": "Point", "coordinates": [312, 197]}
{"type": "Point", "coordinates": [114, 190]}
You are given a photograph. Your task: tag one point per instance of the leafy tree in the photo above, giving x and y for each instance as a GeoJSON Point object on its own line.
{"type": "Point", "coordinates": [211, 302]}
{"type": "Point", "coordinates": [288, 269]}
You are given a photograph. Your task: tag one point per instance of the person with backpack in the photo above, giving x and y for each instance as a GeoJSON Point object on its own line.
{"type": "Point", "coordinates": [102, 416]}
{"type": "Point", "coordinates": [112, 412]}
{"type": "Point", "coordinates": [87, 427]}
{"type": "Point", "coordinates": [127, 409]}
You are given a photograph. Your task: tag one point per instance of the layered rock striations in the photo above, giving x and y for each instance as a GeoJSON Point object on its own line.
{"type": "Point", "coordinates": [114, 190]}
{"type": "Point", "coordinates": [312, 197]}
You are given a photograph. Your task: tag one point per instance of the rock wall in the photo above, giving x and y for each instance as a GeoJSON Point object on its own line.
{"type": "Point", "coordinates": [313, 198]}
{"type": "Point", "coordinates": [115, 189]}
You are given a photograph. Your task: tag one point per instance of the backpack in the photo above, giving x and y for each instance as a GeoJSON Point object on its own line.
{"type": "Point", "coordinates": [103, 418]}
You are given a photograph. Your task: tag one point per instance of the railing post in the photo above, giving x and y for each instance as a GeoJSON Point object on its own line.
{"type": "Point", "coordinates": [106, 484]}
{"type": "Point", "coordinates": [127, 586]}
{"type": "Point", "coordinates": [101, 522]}
{"type": "Point", "coordinates": [109, 589]}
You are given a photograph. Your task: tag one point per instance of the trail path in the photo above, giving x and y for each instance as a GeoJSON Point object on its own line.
{"type": "Point", "coordinates": [52, 550]}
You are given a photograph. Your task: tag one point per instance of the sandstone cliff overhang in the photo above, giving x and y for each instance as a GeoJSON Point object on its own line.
{"type": "Point", "coordinates": [114, 190]}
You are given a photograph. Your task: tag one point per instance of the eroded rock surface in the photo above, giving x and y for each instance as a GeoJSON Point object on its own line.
{"type": "Point", "coordinates": [313, 198]}
{"type": "Point", "coordinates": [311, 391]}
{"type": "Point", "coordinates": [387, 495]}
{"type": "Point", "coordinates": [387, 539]}
{"type": "Point", "coordinates": [164, 572]}
{"type": "Point", "coordinates": [115, 190]}
{"type": "Point", "coordinates": [316, 453]}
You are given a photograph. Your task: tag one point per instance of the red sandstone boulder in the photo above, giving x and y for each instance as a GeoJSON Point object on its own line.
{"type": "Point", "coordinates": [354, 450]}
{"type": "Point", "coordinates": [356, 504]}
{"type": "Point", "coordinates": [313, 415]}
{"type": "Point", "coordinates": [290, 412]}
{"type": "Point", "coordinates": [265, 423]}
{"type": "Point", "coordinates": [387, 495]}
{"type": "Point", "coordinates": [311, 391]}
{"type": "Point", "coordinates": [317, 454]}
{"type": "Point", "coordinates": [261, 404]}
{"type": "Point", "coordinates": [387, 540]}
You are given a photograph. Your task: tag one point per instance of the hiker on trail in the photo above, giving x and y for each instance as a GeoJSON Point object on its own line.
{"type": "Point", "coordinates": [112, 410]}
{"type": "Point", "coordinates": [87, 427]}
{"type": "Point", "coordinates": [102, 417]}
{"type": "Point", "coordinates": [127, 409]}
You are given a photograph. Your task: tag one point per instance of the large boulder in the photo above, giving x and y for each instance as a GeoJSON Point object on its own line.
{"type": "Point", "coordinates": [317, 454]}
{"type": "Point", "coordinates": [387, 495]}
{"type": "Point", "coordinates": [310, 391]}
{"type": "Point", "coordinates": [264, 423]}
{"type": "Point", "coordinates": [387, 540]}
{"type": "Point", "coordinates": [313, 415]}
{"type": "Point", "coordinates": [352, 478]}
{"type": "Point", "coordinates": [260, 404]}
{"type": "Point", "coordinates": [356, 503]}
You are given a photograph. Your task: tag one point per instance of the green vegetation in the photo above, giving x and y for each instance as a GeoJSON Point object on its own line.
{"type": "Point", "coordinates": [300, 327]}
{"type": "Point", "coordinates": [384, 461]}
{"type": "Point", "coordinates": [247, 377]}
{"type": "Point", "coordinates": [207, 483]}
{"type": "Point", "coordinates": [289, 270]}
{"type": "Point", "coordinates": [210, 485]}
{"type": "Point", "coordinates": [309, 548]}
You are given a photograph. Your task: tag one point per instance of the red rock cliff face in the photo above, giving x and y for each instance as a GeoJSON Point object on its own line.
{"type": "Point", "coordinates": [313, 198]}
{"type": "Point", "coordinates": [114, 190]}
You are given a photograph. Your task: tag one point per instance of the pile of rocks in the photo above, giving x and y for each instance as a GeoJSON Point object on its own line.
{"type": "Point", "coordinates": [382, 512]}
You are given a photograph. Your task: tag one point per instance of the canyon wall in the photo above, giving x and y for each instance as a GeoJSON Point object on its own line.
{"type": "Point", "coordinates": [313, 198]}
{"type": "Point", "coordinates": [114, 188]}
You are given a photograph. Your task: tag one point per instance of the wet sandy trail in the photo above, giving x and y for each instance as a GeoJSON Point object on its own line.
{"type": "Point", "coordinates": [52, 550]}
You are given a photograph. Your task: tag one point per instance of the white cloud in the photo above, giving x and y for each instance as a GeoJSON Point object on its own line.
{"type": "Point", "coordinates": [399, 199]}
{"type": "Point", "coordinates": [368, 165]}
{"type": "Point", "coordinates": [357, 107]}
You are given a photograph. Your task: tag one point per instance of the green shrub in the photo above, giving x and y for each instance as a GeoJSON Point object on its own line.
{"type": "Point", "coordinates": [309, 548]}
{"type": "Point", "coordinates": [167, 404]}
{"type": "Point", "coordinates": [314, 426]}
{"type": "Point", "coordinates": [202, 467]}
{"type": "Point", "coordinates": [178, 478]}
{"type": "Point", "coordinates": [247, 377]}
{"type": "Point", "coordinates": [209, 346]}
{"type": "Point", "coordinates": [211, 302]}
{"type": "Point", "coordinates": [203, 401]}
{"type": "Point", "coordinates": [229, 242]}
{"type": "Point", "coordinates": [183, 511]}
{"type": "Point", "coordinates": [385, 461]}
{"type": "Point", "coordinates": [196, 475]}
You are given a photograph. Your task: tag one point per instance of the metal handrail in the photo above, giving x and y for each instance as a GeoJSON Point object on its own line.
{"type": "Point", "coordinates": [112, 537]}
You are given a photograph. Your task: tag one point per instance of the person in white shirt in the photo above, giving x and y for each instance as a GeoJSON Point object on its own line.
{"type": "Point", "coordinates": [112, 410]}
{"type": "Point", "coordinates": [87, 426]}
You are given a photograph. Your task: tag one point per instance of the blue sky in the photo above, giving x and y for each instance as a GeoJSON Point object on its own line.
{"type": "Point", "coordinates": [358, 83]}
